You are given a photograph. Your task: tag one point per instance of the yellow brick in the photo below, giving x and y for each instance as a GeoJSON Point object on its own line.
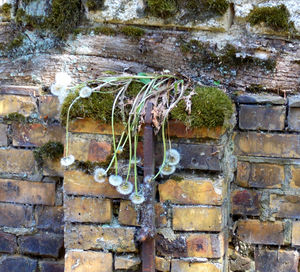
{"type": "Point", "coordinates": [118, 239]}
{"type": "Point", "coordinates": [127, 262]}
{"type": "Point", "coordinates": [88, 210]}
{"type": "Point", "coordinates": [88, 261]}
{"type": "Point", "coordinates": [190, 192]}
{"type": "Point", "coordinates": [53, 168]}
{"type": "Point", "coordinates": [127, 213]}
{"type": "Point", "coordinates": [162, 264]}
{"type": "Point", "coordinates": [27, 192]}
{"type": "Point", "coordinates": [184, 266]}
{"type": "Point", "coordinates": [295, 181]}
{"type": "Point", "coordinates": [197, 218]}
{"type": "Point", "coordinates": [14, 103]}
{"type": "Point", "coordinates": [78, 183]}
{"type": "Point", "coordinates": [49, 106]}
{"type": "Point", "coordinates": [17, 161]}
{"type": "Point", "coordinates": [296, 233]}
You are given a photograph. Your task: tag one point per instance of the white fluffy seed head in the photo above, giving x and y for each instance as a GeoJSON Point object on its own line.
{"type": "Point", "coordinates": [173, 156]}
{"type": "Point", "coordinates": [85, 92]}
{"type": "Point", "coordinates": [62, 79]}
{"type": "Point", "coordinates": [115, 180]}
{"type": "Point", "coordinates": [99, 175]}
{"type": "Point", "coordinates": [168, 169]}
{"type": "Point", "coordinates": [125, 188]}
{"type": "Point", "coordinates": [137, 198]}
{"type": "Point", "coordinates": [57, 89]}
{"type": "Point", "coordinates": [67, 161]}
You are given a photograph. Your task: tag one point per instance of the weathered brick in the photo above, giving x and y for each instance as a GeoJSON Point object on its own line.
{"type": "Point", "coordinates": [41, 244]}
{"type": "Point", "coordinates": [259, 175]}
{"type": "Point", "coordinates": [238, 262]}
{"type": "Point", "coordinates": [267, 144]}
{"type": "Point", "coordinates": [49, 107]}
{"type": "Point", "coordinates": [295, 180]}
{"type": "Point", "coordinates": [257, 232]}
{"type": "Point", "coordinates": [162, 264]}
{"type": "Point", "coordinates": [127, 213]}
{"type": "Point", "coordinates": [20, 90]}
{"type": "Point", "coordinates": [49, 218]}
{"type": "Point", "coordinates": [3, 136]}
{"type": "Point", "coordinates": [8, 243]}
{"type": "Point", "coordinates": [294, 101]}
{"type": "Point", "coordinates": [53, 168]}
{"type": "Point", "coordinates": [127, 262]}
{"type": "Point", "coordinates": [78, 183]}
{"type": "Point", "coordinates": [17, 161]}
{"type": "Point", "coordinates": [161, 213]}
{"type": "Point", "coordinates": [46, 266]}
{"type": "Point", "coordinates": [81, 261]}
{"type": "Point", "coordinates": [12, 215]}
{"type": "Point", "coordinates": [276, 260]}
{"type": "Point", "coordinates": [265, 117]}
{"type": "Point", "coordinates": [190, 192]}
{"type": "Point", "coordinates": [294, 119]}
{"type": "Point", "coordinates": [285, 206]}
{"type": "Point", "coordinates": [17, 264]}
{"type": "Point", "coordinates": [15, 103]}
{"type": "Point", "coordinates": [260, 98]}
{"type": "Point", "coordinates": [245, 202]}
{"type": "Point", "coordinates": [296, 233]}
{"type": "Point", "coordinates": [119, 239]}
{"type": "Point", "coordinates": [28, 135]}
{"type": "Point", "coordinates": [21, 191]}
{"type": "Point", "coordinates": [88, 210]}
{"type": "Point", "coordinates": [197, 218]}
{"type": "Point", "coordinates": [186, 266]}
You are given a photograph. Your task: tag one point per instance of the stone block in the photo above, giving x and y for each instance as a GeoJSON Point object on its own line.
{"type": "Point", "coordinates": [261, 99]}
{"type": "Point", "coordinates": [190, 218]}
{"type": "Point", "coordinates": [267, 144]}
{"type": "Point", "coordinates": [261, 117]}
{"type": "Point", "coordinates": [49, 218]}
{"type": "Point", "coordinates": [48, 266]}
{"type": "Point", "coordinates": [12, 215]}
{"type": "Point", "coordinates": [8, 243]}
{"type": "Point", "coordinates": [294, 119]}
{"type": "Point", "coordinates": [186, 266]}
{"type": "Point", "coordinates": [127, 214]}
{"type": "Point", "coordinates": [245, 202]}
{"type": "Point", "coordinates": [28, 135]}
{"type": "Point", "coordinates": [259, 175]}
{"type": "Point", "coordinates": [41, 245]}
{"type": "Point", "coordinates": [295, 179]}
{"type": "Point", "coordinates": [188, 191]}
{"type": "Point", "coordinates": [127, 262]}
{"type": "Point", "coordinates": [264, 233]}
{"type": "Point", "coordinates": [239, 262]}
{"type": "Point", "coordinates": [49, 107]}
{"type": "Point", "coordinates": [17, 264]}
{"type": "Point", "coordinates": [24, 105]}
{"type": "Point", "coordinates": [276, 260]}
{"type": "Point", "coordinates": [91, 261]}
{"type": "Point", "coordinates": [296, 233]}
{"type": "Point", "coordinates": [90, 210]}
{"type": "Point", "coordinates": [294, 101]}
{"type": "Point", "coordinates": [162, 264]}
{"type": "Point", "coordinates": [3, 135]}
{"type": "Point", "coordinates": [285, 206]}
{"type": "Point", "coordinates": [117, 239]}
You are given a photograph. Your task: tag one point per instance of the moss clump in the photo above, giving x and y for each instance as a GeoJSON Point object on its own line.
{"type": "Point", "coordinates": [5, 9]}
{"type": "Point", "coordinates": [134, 88]}
{"type": "Point", "coordinates": [132, 31]}
{"type": "Point", "coordinates": [106, 30]}
{"type": "Point", "coordinates": [98, 107]}
{"type": "Point", "coordinates": [50, 150]}
{"type": "Point", "coordinates": [162, 8]}
{"type": "Point", "coordinates": [16, 42]}
{"type": "Point", "coordinates": [276, 18]}
{"type": "Point", "coordinates": [210, 108]}
{"type": "Point", "coordinates": [94, 4]}
{"type": "Point", "coordinates": [14, 117]}
{"type": "Point", "coordinates": [176, 178]}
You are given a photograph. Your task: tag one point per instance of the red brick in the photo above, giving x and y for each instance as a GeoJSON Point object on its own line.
{"type": "Point", "coordinates": [190, 192]}
{"type": "Point", "coordinates": [257, 232]}
{"type": "Point", "coordinates": [36, 134]}
{"type": "Point", "coordinates": [245, 202]}
{"type": "Point", "coordinates": [267, 144]}
{"type": "Point", "coordinates": [276, 260]}
{"type": "Point", "coordinates": [12, 215]}
{"type": "Point", "coordinates": [88, 210]}
{"type": "Point", "coordinates": [259, 175]}
{"type": "Point", "coordinates": [27, 192]}
{"type": "Point", "coordinates": [89, 261]}
{"type": "Point", "coordinates": [262, 117]}
{"type": "Point", "coordinates": [8, 243]}
{"type": "Point", "coordinates": [285, 206]}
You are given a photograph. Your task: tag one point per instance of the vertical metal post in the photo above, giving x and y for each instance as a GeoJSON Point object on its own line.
{"type": "Point", "coordinates": [148, 231]}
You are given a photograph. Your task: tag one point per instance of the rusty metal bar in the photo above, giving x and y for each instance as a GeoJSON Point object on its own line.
{"type": "Point", "coordinates": [148, 230]}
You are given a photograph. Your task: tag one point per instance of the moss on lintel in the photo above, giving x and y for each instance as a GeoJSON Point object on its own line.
{"type": "Point", "coordinates": [94, 4]}
{"type": "Point", "coordinates": [132, 31]}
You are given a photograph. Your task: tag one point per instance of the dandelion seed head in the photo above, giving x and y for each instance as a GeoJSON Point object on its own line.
{"type": "Point", "coordinates": [99, 175]}
{"type": "Point", "coordinates": [67, 161]}
{"type": "Point", "coordinates": [168, 169]}
{"type": "Point", "coordinates": [85, 92]}
{"type": "Point", "coordinates": [137, 198]}
{"type": "Point", "coordinates": [125, 188]}
{"type": "Point", "coordinates": [173, 156]}
{"type": "Point", "coordinates": [62, 79]}
{"type": "Point", "coordinates": [115, 180]}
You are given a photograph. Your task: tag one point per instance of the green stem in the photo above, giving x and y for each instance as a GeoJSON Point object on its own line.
{"type": "Point", "coordinates": [135, 168]}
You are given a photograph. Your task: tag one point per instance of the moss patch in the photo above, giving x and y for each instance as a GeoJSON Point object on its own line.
{"type": "Point", "coordinates": [106, 30]}
{"type": "Point", "coordinates": [88, 167]}
{"type": "Point", "coordinates": [276, 18]}
{"type": "Point", "coordinates": [132, 31]}
{"type": "Point", "coordinates": [50, 150]}
{"type": "Point", "coordinates": [210, 108]}
{"type": "Point", "coordinates": [5, 10]}
{"type": "Point", "coordinates": [94, 4]}
{"type": "Point", "coordinates": [14, 117]}
{"type": "Point", "coordinates": [162, 8]}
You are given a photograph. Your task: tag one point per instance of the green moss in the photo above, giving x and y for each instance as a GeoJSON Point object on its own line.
{"type": "Point", "coordinates": [162, 8]}
{"type": "Point", "coordinates": [217, 7]}
{"type": "Point", "coordinates": [88, 167]}
{"type": "Point", "coordinates": [97, 106]}
{"type": "Point", "coordinates": [276, 18]}
{"type": "Point", "coordinates": [50, 150]}
{"type": "Point", "coordinates": [210, 108]}
{"type": "Point", "coordinates": [14, 117]}
{"type": "Point", "coordinates": [134, 88]}
{"type": "Point", "coordinates": [106, 30]}
{"type": "Point", "coordinates": [132, 31]}
{"type": "Point", "coordinates": [94, 4]}
{"type": "Point", "coordinates": [15, 43]}
{"type": "Point", "coordinates": [176, 178]}
{"type": "Point", "coordinates": [5, 9]}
